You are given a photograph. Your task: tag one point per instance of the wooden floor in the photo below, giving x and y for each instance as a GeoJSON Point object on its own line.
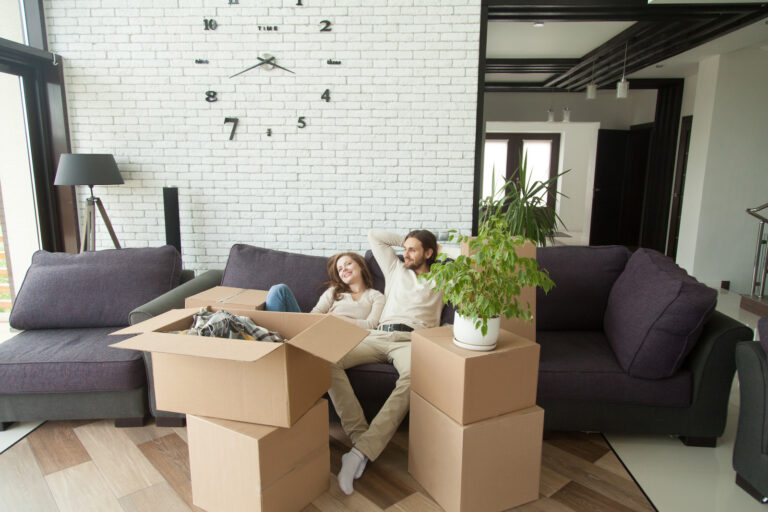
{"type": "Point", "coordinates": [83, 466]}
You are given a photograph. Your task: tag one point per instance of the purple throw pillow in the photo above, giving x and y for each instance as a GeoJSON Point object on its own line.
{"type": "Point", "coordinates": [92, 289]}
{"type": "Point", "coordinates": [655, 315]}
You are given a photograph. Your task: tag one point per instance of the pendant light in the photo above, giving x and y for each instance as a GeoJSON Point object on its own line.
{"type": "Point", "coordinates": [592, 86]}
{"type": "Point", "coordinates": [622, 86]}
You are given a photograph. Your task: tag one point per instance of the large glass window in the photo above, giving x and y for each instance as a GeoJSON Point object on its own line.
{"type": "Point", "coordinates": [11, 21]}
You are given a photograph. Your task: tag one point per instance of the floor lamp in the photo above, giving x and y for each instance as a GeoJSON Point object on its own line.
{"type": "Point", "coordinates": [90, 169]}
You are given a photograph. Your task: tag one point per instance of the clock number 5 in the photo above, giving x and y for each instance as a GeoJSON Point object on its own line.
{"type": "Point", "coordinates": [326, 26]}
{"type": "Point", "coordinates": [326, 95]}
{"type": "Point", "coordinates": [210, 24]}
{"type": "Point", "coordinates": [234, 121]}
{"type": "Point", "coordinates": [302, 123]}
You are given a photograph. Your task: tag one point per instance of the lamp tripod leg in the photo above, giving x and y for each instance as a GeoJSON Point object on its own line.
{"type": "Point", "coordinates": [107, 222]}
{"type": "Point", "coordinates": [88, 240]}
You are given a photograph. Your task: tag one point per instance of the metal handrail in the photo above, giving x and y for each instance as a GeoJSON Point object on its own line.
{"type": "Point", "coordinates": [753, 212]}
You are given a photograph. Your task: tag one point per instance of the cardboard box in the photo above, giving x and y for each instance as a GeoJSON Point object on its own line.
{"type": "Point", "coordinates": [490, 465]}
{"type": "Point", "coordinates": [243, 466]}
{"type": "Point", "coordinates": [527, 296]}
{"type": "Point", "coordinates": [226, 297]}
{"type": "Point", "coordinates": [471, 386]}
{"type": "Point", "coordinates": [256, 382]}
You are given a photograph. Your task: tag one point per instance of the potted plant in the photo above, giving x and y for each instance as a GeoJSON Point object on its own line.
{"type": "Point", "coordinates": [520, 203]}
{"type": "Point", "coordinates": [487, 283]}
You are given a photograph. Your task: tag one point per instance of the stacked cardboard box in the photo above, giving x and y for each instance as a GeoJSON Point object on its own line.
{"type": "Point", "coordinates": [227, 297]}
{"type": "Point", "coordinates": [258, 431]}
{"type": "Point", "coordinates": [475, 429]}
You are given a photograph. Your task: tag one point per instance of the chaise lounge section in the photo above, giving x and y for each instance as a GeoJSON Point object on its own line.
{"type": "Point", "coordinates": [61, 365]}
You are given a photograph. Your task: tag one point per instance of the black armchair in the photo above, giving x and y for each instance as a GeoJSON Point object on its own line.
{"type": "Point", "coordinates": [750, 452]}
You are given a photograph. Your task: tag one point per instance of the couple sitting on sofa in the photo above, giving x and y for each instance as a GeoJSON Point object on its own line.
{"type": "Point", "coordinates": [409, 304]}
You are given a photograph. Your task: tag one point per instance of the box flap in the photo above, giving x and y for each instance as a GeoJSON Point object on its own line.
{"type": "Point", "coordinates": [159, 321]}
{"type": "Point", "coordinates": [330, 338]}
{"type": "Point", "coordinates": [200, 346]}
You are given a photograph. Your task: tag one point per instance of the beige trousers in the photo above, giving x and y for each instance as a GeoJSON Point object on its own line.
{"type": "Point", "coordinates": [377, 347]}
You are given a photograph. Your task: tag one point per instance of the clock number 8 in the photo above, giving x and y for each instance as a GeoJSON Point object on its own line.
{"type": "Point", "coordinates": [210, 24]}
{"type": "Point", "coordinates": [210, 96]}
{"type": "Point", "coordinates": [326, 95]}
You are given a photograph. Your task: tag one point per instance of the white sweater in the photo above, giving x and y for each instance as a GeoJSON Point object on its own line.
{"type": "Point", "coordinates": [366, 310]}
{"type": "Point", "coordinates": [410, 300]}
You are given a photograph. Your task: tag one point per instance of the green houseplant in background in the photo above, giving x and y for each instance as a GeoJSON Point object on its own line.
{"type": "Point", "coordinates": [486, 284]}
{"type": "Point", "coordinates": [520, 203]}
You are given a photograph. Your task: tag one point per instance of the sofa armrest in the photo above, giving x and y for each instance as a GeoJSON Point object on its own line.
{"type": "Point", "coordinates": [174, 299]}
{"type": "Point", "coordinates": [712, 363]}
{"type": "Point", "coordinates": [753, 388]}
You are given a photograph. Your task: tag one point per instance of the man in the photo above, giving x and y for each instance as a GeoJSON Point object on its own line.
{"type": "Point", "coordinates": [411, 304]}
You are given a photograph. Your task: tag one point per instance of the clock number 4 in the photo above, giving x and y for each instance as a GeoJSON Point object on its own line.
{"type": "Point", "coordinates": [234, 121]}
{"type": "Point", "coordinates": [326, 26]}
{"type": "Point", "coordinates": [326, 95]}
{"type": "Point", "coordinates": [210, 24]}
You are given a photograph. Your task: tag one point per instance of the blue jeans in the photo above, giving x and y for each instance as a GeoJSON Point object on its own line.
{"type": "Point", "coordinates": [281, 298]}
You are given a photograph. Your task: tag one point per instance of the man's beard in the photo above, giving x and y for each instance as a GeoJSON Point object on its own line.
{"type": "Point", "coordinates": [415, 264]}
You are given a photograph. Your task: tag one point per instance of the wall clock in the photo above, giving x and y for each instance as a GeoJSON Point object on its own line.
{"type": "Point", "coordinates": [271, 82]}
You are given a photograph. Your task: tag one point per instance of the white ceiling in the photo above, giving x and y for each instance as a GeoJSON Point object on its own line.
{"type": "Point", "coordinates": [563, 40]}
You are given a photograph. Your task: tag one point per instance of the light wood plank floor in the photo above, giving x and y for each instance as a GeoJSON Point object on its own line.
{"type": "Point", "coordinates": [91, 465]}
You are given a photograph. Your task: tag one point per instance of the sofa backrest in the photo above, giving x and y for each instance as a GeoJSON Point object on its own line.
{"type": "Point", "coordinates": [258, 268]}
{"type": "Point", "coordinates": [583, 279]}
{"type": "Point", "coordinates": [92, 289]}
{"type": "Point", "coordinates": [655, 315]}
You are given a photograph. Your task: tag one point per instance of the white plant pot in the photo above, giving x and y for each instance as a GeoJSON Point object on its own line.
{"type": "Point", "coordinates": [466, 336]}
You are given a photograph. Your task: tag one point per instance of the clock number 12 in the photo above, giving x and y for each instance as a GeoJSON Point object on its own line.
{"type": "Point", "coordinates": [234, 121]}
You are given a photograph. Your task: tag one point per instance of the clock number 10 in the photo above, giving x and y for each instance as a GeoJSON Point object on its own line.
{"type": "Point", "coordinates": [210, 24]}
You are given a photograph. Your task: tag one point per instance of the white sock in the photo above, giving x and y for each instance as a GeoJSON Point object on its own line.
{"type": "Point", "coordinates": [352, 466]}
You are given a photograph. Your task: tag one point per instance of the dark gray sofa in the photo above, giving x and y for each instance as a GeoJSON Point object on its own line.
{"type": "Point", "coordinates": [61, 366]}
{"type": "Point", "coordinates": [750, 451]}
{"type": "Point", "coordinates": [588, 380]}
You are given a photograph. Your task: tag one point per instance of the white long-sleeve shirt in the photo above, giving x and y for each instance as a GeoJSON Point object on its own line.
{"type": "Point", "coordinates": [366, 310]}
{"type": "Point", "coordinates": [410, 300]}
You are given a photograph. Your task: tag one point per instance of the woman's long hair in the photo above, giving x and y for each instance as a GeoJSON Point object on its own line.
{"type": "Point", "coordinates": [335, 281]}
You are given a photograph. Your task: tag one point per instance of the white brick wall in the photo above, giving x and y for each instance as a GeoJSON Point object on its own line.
{"type": "Point", "coordinates": [393, 149]}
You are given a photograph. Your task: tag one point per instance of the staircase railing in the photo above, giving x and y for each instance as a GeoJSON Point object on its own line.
{"type": "Point", "coordinates": [761, 258]}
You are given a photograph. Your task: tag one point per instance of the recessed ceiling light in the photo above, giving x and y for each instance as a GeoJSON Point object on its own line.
{"type": "Point", "coordinates": [538, 24]}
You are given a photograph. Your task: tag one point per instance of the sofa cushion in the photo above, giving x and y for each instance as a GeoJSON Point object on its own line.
{"type": "Point", "coordinates": [92, 289]}
{"type": "Point", "coordinates": [762, 331]}
{"type": "Point", "coordinates": [580, 365]}
{"type": "Point", "coordinates": [655, 314]}
{"type": "Point", "coordinates": [258, 268]}
{"type": "Point", "coordinates": [583, 279]}
{"type": "Point", "coordinates": [67, 361]}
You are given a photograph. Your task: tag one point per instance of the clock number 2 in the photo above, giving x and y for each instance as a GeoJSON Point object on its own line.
{"type": "Point", "coordinates": [302, 123]}
{"type": "Point", "coordinates": [234, 121]}
{"type": "Point", "coordinates": [210, 24]}
{"type": "Point", "coordinates": [326, 95]}
{"type": "Point", "coordinates": [326, 26]}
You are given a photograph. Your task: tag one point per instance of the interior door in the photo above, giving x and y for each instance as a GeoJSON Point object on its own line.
{"type": "Point", "coordinates": [608, 187]}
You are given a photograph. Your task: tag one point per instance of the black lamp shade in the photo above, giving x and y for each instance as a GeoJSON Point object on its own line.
{"type": "Point", "coordinates": [87, 169]}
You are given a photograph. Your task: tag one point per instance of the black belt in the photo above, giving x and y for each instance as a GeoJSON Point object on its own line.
{"type": "Point", "coordinates": [395, 327]}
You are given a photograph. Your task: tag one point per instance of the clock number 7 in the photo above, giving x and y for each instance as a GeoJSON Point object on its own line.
{"type": "Point", "coordinates": [234, 121]}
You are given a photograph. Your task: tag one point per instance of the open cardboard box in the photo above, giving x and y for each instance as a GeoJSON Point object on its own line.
{"type": "Point", "coordinates": [227, 297]}
{"type": "Point", "coordinates": [470, 386]}
{"type": "Point", "coordinates": [250, 381]}
{"type": "Point", "coordinates": [244, 466]}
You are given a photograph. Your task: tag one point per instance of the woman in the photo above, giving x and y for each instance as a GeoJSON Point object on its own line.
{"type": "Point", "coordinates": [350, 293]}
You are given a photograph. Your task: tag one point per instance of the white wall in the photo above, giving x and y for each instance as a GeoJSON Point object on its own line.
{"type": "Point", "coordinates": [394, 148]}
{"type": "Point", "coordinates": [578, 152]}
{"type": "Point", "coordinates": [611, 113]}
{"type": "Point", "coordinates": [726, 168]}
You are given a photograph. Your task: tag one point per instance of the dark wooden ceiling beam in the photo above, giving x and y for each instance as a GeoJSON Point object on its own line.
{"type": "Point", "coordinates": [529, 65]}
{"type": "Point", "coordinates": [555, 11]}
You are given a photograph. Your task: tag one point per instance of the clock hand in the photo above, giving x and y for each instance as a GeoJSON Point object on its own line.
{"type": "Point", "coordinates": [270, 61]}
{"type": "Point", "coordinates": [263, 61]}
